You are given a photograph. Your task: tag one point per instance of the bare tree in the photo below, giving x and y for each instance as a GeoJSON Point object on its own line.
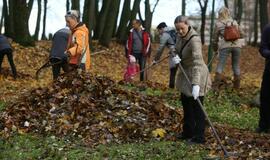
{"type": "Point", "coordinates": [183, 7]}
{"type": "Point", "coordinates": [255, 41]}
{"type": "Point", "coordinates": [226, 3]}
{"type": "Point", "coordinates": [263, 13]}
{"type": "Point", "coordinates": [148, 15]}
{"type": "Point", "coordinates": [239, 11]}
{"type": "Point", "coordinates": [67, 5]}
{"type": "Point", "coordinates": [38, 20]}
{"type": "Point", "coordinates": [102, 18]}
{"type": "Point", "coordinates": [125, 16]}
{"type": "Point", "coordinates": [89, 17]}
{"type": "Point", "coordinates": [75, 4]}
{"type": "Point", "coordinates": [203, 6]}
{"type": "Point", "coordinates": [3, 15]}
{"type": "Point", "coordinates": [109, 27]}
{"type": "Point", "coordinates": [8, 18]}
{"type": "Point", "coordinates": [135, 10]}
{"type": "Point", "coordinates": [21, 10]}
{"type": "Point", "coordinates": [44, 20]}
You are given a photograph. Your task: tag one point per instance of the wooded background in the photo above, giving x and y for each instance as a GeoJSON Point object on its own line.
{"type": "Point", "coordinates": [101, 17]}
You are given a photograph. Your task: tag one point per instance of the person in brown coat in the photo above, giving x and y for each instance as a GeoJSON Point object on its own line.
{"type": "Point", "coordinates": [189, 48]}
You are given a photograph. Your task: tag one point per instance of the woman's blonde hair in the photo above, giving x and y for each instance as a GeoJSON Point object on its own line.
{"type": "Point", "coordinates": [224, 13]}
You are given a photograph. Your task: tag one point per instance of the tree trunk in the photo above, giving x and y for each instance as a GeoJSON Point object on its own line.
{"type": "Point", "coordinates": [226, 3]}
{"type": "Point", "coordinates": [125, 16]}
{"type": "Point", "coordinates": [22, 10]}
{"type": "Point", "coordinates": [102, 18]}
{"type": "Point", "coordinates": [135, 10]}
{"type": "Point", "coordinates": [89, 17]}
{"type": "Point", "coordinates": [75, 4]}
{"type": "Point", "coordinates": [239, 11]}
{"type": "Point", "coordinates": [85, 18]}
{"type": "Point", "coordinates": [255, 41]}
{"type": "Point", "coordinates": [44, 20]}
{"type": "Point", "coordinates": [67, 5]}
{"type": "Point", "coordinates": [149, 15]}
{"type": "Point", "coordinates": [263, 13]}
{"type": "Point", "coordinates": [110, 22]}
{"type": "Point", "coordinates": [4, 12]}
{"type": "Point", "coordinates": [183, 7]}
{"type": "Point", "coordinates": [38, 20]}
{"type": "Point", "coordinates": [203, 15]}
{"type": "Point", "coordinates": [96, 13]}
{"type": "Point", "coordinates": [9, 25]}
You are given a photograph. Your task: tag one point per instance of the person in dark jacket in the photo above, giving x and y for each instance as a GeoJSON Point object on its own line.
{"type": "Point", "coordinates": [166, 41]}
{"type": "Point", "coordinates": [6, 49]}
{"type": "Point", "coordinates": [59, 46]}
{"type": "Point", "coordinates": [264, 121]}
{"type": "Point", "coordinates": [138, 45]}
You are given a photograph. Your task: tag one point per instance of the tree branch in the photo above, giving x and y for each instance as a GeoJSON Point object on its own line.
{"type": "Point", "coordinates": [155, 6]}
{"type": "Point", "coordinates": [200, 3]}
{"type": "Point", "coordinates": [140, 15]}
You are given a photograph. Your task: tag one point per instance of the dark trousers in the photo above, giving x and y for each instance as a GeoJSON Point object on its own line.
{"type": "Point", "coordinates": [194, 118]}
{"type": "Point", "coordinates": [9, 54]}
{"type": "Point", "coordinates": [172, 77]}
{"type": "Point", "coordinates": [141, 61]}
{"type": "Point", "coordinates": [264, 122]}
{"type": "Point", "coordinates": [56, 69]}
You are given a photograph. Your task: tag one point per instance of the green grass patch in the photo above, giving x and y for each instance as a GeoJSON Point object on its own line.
{"type": "Point", "coordinates": [2, 105]}
{"type": "Point", "coordinates": [229, 108]}
{"type": "Point", "coordinates": [33, 147]}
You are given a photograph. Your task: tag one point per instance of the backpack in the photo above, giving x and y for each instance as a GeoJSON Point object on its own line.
{"type": "Point", "coordinates": [231, 32]}
{"type": "Point", "coordinates": [172, 34]}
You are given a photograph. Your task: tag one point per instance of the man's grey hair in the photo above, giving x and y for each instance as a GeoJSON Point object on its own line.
{"type": "Point", "coordinates": [73, 14]}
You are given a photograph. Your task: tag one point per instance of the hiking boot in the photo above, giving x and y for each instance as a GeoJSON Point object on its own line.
{"type": "Point", "coordinates": [236, 81]}
{"type": "Point", "coordinates": [183, 136]}
{"type": "Point", "coordinates": [218, 80]}
{"type": "Point", "coordinates": [196, 140]}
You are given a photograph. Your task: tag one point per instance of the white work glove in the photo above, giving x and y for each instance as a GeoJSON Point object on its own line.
{"type": "Point", "coordinates": [176, 60]}
{"type": "Point", "coordinates": [195, 91]}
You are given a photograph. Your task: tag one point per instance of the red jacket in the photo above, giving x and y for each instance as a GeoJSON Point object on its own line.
{"type": "Point", "coordinates": [146, 43]}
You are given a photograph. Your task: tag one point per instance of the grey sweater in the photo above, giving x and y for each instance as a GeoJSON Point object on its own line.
{"type": "Point", "coordinates": [165, 41]}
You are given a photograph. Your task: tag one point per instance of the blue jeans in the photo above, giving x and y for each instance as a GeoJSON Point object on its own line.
{"type": "Point", "coordinates": [224, 53]}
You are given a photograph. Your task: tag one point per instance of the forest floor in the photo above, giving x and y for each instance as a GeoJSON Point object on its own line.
{"type": "Point", "coordinates": [233, 112]}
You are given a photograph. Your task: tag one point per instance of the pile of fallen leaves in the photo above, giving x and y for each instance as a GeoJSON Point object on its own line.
{"type": "Point", "coordinates": [93, 108]}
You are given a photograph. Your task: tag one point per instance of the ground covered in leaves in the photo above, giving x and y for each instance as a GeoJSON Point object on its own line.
{"type": "Point", "coordinates": [99, 108]}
